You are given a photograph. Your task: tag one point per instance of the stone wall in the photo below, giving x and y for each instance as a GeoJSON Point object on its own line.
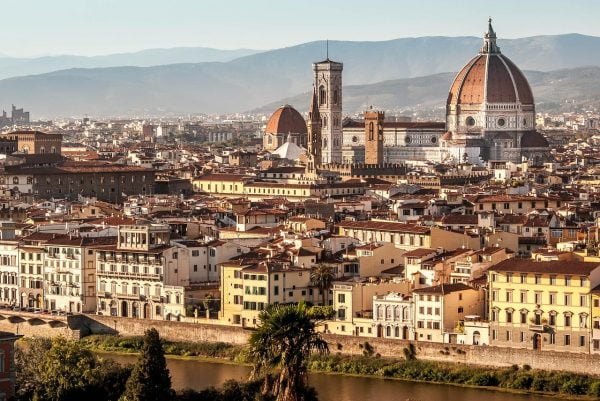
{"type": "Point", "coordinates": [36, 325]}
{"type": "Point", "coordinates": [170, 330]}
{"type": "Point", "coordinates": [470, 354]}
{"type": "Point", "coordinates": [75, 326]}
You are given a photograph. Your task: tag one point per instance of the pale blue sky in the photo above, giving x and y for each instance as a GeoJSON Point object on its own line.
{"type": "Point", "coordinates": [90, 27]}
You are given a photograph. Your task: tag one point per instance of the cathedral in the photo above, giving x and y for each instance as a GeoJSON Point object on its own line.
{"type": "Point", "coordinates": [490, 116]}
{"type": "Point", "coordinates": [490, 111]}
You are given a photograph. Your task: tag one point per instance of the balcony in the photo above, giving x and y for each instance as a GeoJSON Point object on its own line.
{"type": "Point", "coordinates": [135, 297]}
{"type": "Point", "coordinates": [539, 328]}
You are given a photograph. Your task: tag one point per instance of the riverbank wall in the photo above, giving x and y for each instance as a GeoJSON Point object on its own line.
{"type": "Point", "coordinates": [77, 326]}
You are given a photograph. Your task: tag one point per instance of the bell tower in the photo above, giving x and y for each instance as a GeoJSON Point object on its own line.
{"type": "Point", "coordinates": [328, 89]}
{"type": "Point", "coordinates": [374, 137]}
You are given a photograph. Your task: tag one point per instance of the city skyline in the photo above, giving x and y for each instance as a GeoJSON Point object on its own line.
{"type": "Point", "coordinates": [96, 27]}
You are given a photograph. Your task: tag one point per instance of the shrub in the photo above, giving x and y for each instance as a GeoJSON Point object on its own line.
{"type": "Point", "coordinates": [484, 379]}
{"type": "Point", "coordinates": [594, 389]}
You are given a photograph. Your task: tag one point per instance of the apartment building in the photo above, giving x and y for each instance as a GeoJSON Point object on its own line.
{"type": "Point", "coordinates": [134, 273]}
{"type": "Point", "coordinates": [440, 311]}
{"type": "Point", "coordinates": [200, 260]}
{"type": "Point", "coordinates": [353, 304]}
{"type": "Point", "coordinates": [542, 305]}
{"type": "Point", "coordinates": [249, 287]}
{"type": "Point", "coordinates": [70, 273]}
{"type": "Point", "coordinates": [403, 235]}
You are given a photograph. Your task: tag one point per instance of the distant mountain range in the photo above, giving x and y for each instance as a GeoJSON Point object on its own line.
{"type": "Point", "coordinates": [553, 90]}
{"type": "Point", "coordinates": [15, 66]}
{"type": "Point", "coordinates": [393, 74]}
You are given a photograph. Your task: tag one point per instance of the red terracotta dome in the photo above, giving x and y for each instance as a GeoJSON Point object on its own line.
{"type": "Point", "coordinates": [284, 120]}
{"type": "Point", "coordinates": [490, 77]}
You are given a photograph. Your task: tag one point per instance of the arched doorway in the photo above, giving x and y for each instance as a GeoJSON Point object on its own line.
{"type": "Point", "coordinates": [134, 310]}
{"type": "Point", "coordinates": [38, 301]}
{"type": "Point", "coordinates": [537, 341]}
{"type": "Point", "coordinates": [380, 331]}
{"type": "Point", "coordinates": [476, 338]}
{"type": "Point", "coordinates": [405, 333]}
{"type": "Point", "coordinates": [124, 309]}
{"type": "Point", "coordinates": [146, 311]}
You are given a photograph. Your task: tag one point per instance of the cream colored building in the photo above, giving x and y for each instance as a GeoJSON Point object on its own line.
{"type": "Point", "coordinates": [137, 276]}
{"type": "Point", "coordinates": [441, 310]}
{"type": "Point", "coordinates": [542, 305]}
{"type": "Point", "coordinates": [353, 304]}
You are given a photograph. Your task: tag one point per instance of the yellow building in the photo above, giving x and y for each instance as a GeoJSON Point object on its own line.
{"type": "Point", "coordinates": [542, 305]}
{"type": "Point", "coordinates": [248, 288]}
{"type": "Point", "coordinates": [220, 184]}
{"type": "Point", "coordinates": [402, 235]}
{"type": "Point", "coordinates": [595, 294]}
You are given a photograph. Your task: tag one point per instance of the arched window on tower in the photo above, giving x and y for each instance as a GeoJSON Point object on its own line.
{"type": "Point", "coordinates": [335, 96]}
{"type": "Point", "coordinates": [371, 131]}
{"type": "Point", "coordinates": [324, 121]}
{"type": "Point", "coordinates": [322, 95]}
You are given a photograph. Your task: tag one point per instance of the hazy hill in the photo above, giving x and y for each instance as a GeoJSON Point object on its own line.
{"type": "Point", "coordinates": [15, 66]}
{"type": "Point", "coordinates": [251, 81]}
{"type": "Point", "coordinates": [553, 90]}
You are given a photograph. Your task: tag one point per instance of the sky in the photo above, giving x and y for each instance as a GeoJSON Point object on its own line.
{"type": "Point", "coordinates": [93, 27]}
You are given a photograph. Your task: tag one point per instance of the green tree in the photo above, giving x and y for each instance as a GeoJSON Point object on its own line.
{"type": "Point", "coordinates": [62, 370]}
{"type": "Point", "coordinates": [150, 379]}
{"type": "Point", "coordinates": [322, 277]}
{"type": "Point", "coordinates": [284, 339]}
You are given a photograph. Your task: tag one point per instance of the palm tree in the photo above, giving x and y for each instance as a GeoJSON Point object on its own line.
{"type": "Point", "coordinates": [322, 277]}
{"type": "Point", "coordinates": [284, 340]}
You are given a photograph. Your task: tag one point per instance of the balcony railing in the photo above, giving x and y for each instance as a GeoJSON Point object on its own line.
{"type": "Point", "coordinates": [537, 327]}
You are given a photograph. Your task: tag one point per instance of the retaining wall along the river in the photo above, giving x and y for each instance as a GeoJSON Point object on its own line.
{"type": "Point", "coordinates": [76, 326]}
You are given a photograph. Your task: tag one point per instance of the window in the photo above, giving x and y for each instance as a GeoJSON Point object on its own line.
{"type": "Point", "coordinates": [567, 339]}
{"type": "Point", "coordinates": [460, 309]}
{"type": "Point", "coordinates": [523, 317]}
{"type": "Point", "coordinates": [582, 341]}
{"type": "Point", "coordinates": [583, 300]}
{"type": "Point", "coordinates": [552, 280]}
{"type": "Point", "coordinates": [538, 279]}
{"type": "Point", "coordinates": [567, 299]}
{"type": "Point", "coordinates": [567, 281]}
{"type": "Point", "coordinates": [552, 320]}
{"type": "Point", "coordinates": [567, 320]}
{"type": "Point", "coordinates": [341, 298]}
{"type": "Point", "coordinates": [342, 314]}
{"type": "Point", "coordinates": [509, 316]}
{"type": "Point", "coordinates": [552, 338]}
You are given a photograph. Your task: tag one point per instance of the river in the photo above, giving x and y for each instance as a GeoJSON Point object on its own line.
{"type": "Point", "coordinates": [199, 375]}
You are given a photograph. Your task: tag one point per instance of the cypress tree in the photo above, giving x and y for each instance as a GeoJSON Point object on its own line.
{"type": "Point", "coordinates": [150, 379]}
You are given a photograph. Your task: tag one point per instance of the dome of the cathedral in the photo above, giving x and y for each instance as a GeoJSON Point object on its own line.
{"type": "Point", "coordinates": [284, 120]}
{"type": "Point", "coordinates": [533, 139]}
{"type": "Point", "coordinates": [490, 77]}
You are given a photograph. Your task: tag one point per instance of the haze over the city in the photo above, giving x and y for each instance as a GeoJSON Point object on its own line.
{"type": "Point", "coordinates": [98, 27]}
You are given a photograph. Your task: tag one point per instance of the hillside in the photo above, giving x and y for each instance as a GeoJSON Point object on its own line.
{"type": "Point", "coordinates": [251, 81]}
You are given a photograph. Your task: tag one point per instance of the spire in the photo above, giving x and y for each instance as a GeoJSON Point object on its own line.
{"type": "Point", "coordinates": [489, 40]}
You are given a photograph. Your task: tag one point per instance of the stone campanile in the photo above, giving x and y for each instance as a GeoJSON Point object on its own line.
{"type": "Point", "coordinates": [374, 137]}
{"type": "Point", "coordinates": [328, 86]}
